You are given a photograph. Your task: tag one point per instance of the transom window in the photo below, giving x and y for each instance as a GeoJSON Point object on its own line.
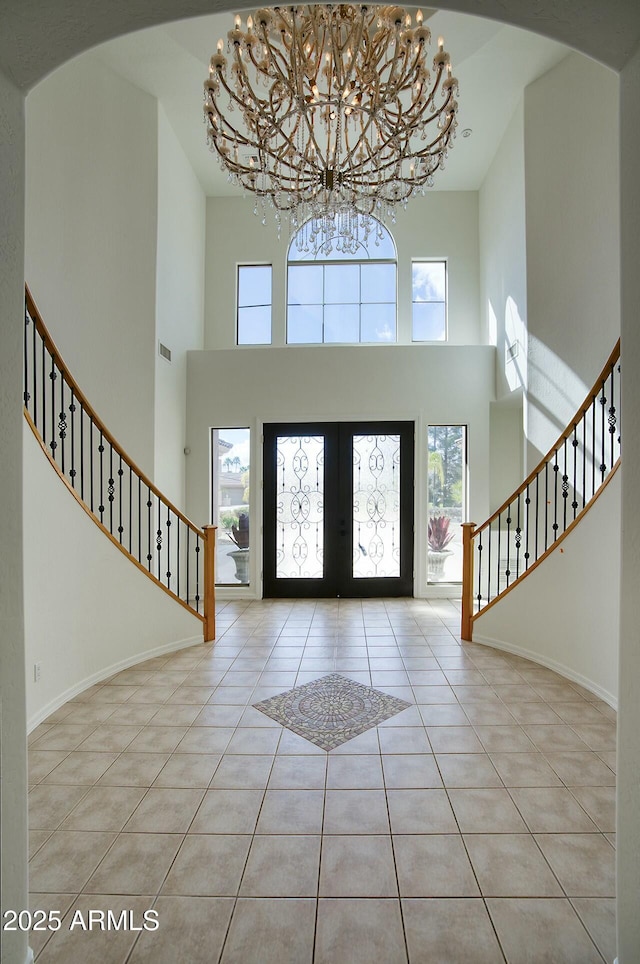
{"type": "Point", "coordinates": [254, 304]}
{"type": "Point", "coordinates": [429, 297]}
{"type": "Point", "coordinates": [337, 297]}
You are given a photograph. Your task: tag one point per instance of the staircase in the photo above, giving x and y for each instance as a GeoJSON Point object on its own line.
{"type": "Point", "coordinates": [122, 501]}
{"type": "Point", "coordinates": [538, 516]}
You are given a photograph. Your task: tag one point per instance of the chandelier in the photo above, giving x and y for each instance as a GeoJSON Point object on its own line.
{"type": "Point", "coordinates": [331, 115]}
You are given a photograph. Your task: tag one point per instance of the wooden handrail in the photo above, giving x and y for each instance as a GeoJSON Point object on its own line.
{"type": "Point", "coordinates": [89, 409]}
{"type": "Point", "coordinates": [612, 359]}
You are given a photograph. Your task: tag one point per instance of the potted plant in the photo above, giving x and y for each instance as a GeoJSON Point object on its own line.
{"type": "Point", "coordinates": [438, 538]}
{"type": "Point", "coordinates": [240, 535]}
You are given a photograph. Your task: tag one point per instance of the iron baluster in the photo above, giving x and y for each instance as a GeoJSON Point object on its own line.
{"type": "Point", "coordinates": [91, 457]}
{"type": "Point", "coordinates": [556, 470]}
{"type": "Point", "coordinates": [498, 558]}
{"type": "Point", "coordinates": [537, 512]}
{"type": "Point", "coordinates": [43, 370]}
{"type": "Point", "coordinates": [178, 566]}
{"type": "Point", "coordinates": [111, 488]}
{"type": "Point", "coordinates": [574, 504]}
{"type": "Point", "coordinates": [168, 548]}
{"type": "Point", "coordinates": [149, 506]}
{"type": "Point", "coordinates": [35, 376]}
{"type": "Point", "coordinates": [197, 572]}
{"type": "Point", "coordinates": [489, 564]}
{"type": "Point", "coordinates": [518, 538]}
{"type": "Point", "coordinates": [62, 423]}
{"type": "Point", "coordinates": [546, 505]}
{"type": "Point", "coordinates": [593, 448]}
{"type": "Point", "coordinates": [120, 474]}
{"type": "Point", "coordinates": [139, 519]}
{"type": "Point", "coordinates": [603, 402]}
{"type": "Point", "coordinates": [565, 488]}
{"type": "Point", "coordinates": [130, 510]}
{"type": "Point", "coordinates": [527, 502]}
{"type": "Point", "coordinates": [82, 451]}
{"type": "Point", "coordinates": [612, 419]}
{"type": "Point", "coordinates": [584, 459]}
{"type": "Point", "coordinates": [188, 557]}
{"type": "Point", "coordinates": [507, 571]}
{"type": "Point", "coordinates": [159, 542]}
{"type": "Point", "coordinates": [72, 409]}
{"type": "Point", "coordinates": [52, 376]}
{"type": "Point", "coordinates": [479, 570]}
{"type": "Point", "coordinates": [25, 391]}
{"type": "Point", "coordinates": [101, 451]}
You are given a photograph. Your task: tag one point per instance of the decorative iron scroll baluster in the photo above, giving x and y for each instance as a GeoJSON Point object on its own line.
{"type": "Point", "coordinates": [579, 477]}
{"type": "Point", "coordinates": [79, 451]}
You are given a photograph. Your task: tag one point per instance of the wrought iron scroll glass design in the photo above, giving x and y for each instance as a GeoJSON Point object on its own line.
{"type": "Point", "coordinates": [553, 496]}
{"type": "Point", "coordinates": [127, 504]}
{"type": "Point", "coordinates": [376, 506]}
{"type": "Point", "coordinates": [300, 507]}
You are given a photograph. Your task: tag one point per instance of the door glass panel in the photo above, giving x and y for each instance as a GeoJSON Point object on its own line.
{"type": "Point", "coordinates": [376, 506]}
{"type": "Point", "coordinates": [230, 467]}
{"type": "Point", "coordinates": [447, 447]}
{"type": "Point", "coordinates": [299, 507]}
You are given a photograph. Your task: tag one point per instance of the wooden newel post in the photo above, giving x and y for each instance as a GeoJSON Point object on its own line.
{"type": "Point", "coordinates": [468, 529]}
{"type": "Point", "coordinates": [209, 583]}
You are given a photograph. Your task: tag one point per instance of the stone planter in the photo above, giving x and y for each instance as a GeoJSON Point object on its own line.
{"type": "Point", "coordinates": [437, 560]}
{"type": "Point", "coordinates": [241, 559]}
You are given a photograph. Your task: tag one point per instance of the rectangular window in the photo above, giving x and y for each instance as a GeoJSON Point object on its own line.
{"type": "Point", "coordinates": [254, 304]}
{"type": "Point", "coordinates": [230, 467]}
{"type": "Point", "coordinates": [341, 303]}
{"type": "Point", "coordinates": [446, 481]}
{"type": "Point", "coordinates": [429, 300]}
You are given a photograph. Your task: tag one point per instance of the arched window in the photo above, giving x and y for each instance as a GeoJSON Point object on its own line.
{"type": "Point", "coordinates": [342, 297]}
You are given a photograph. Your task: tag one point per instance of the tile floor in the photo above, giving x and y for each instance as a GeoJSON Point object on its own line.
{"type": "Point", "coordinates": [476, 826]}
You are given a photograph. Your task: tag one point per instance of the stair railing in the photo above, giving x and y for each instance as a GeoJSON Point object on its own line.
{"type": "Point", "coordinates": [533, 521]}
{"type": "Point", "coordinates": [155, 535]}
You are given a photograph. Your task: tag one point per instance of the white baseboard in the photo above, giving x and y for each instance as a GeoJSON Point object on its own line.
{"type": "Point", "coordinates": [105, 673]}
{"type": "Point", "coordinates": [557, 667]}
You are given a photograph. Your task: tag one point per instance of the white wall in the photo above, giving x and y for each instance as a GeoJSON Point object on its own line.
{"type": "Point", "coordinates": [506, 451]}
{"type": "Point", "coordinates": [91, 239]}
{"type": "Point", "coordinates": [91, 611]}
{"type": "Point", "coordinates": [441, 225]}
{"type": "Point", "coordinates": [13, 742]}
{"type": "Point", "coordinates": [429, 384]}
{"type": "Point", "coordinates": [553, 608]}
{"type": "Point", "coordinates": [628, 800]}
{"type": "Point", "coordinates": [179, 303]}
{"type": "Point", "coordinates": [573, 245]}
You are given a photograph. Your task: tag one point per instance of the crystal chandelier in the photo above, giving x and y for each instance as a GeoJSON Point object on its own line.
{"type": "Point", "coordinates": [330, 115]}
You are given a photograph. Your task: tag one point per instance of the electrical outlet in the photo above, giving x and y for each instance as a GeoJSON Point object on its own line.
{"type": "Point", "coordinates": [37, 669]}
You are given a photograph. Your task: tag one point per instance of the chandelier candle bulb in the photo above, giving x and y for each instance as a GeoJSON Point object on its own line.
{"type": "Point", "coordinates": [350, 125]}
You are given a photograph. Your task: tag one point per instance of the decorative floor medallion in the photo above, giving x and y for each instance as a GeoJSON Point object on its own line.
{"type": "Point", "coordinates": [331, 710]}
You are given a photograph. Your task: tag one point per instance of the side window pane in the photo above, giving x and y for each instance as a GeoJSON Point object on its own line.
{"type": "Point", "coordinates": [429, 321]}
{"type": "Point", "coordinates": [305, 284]}
{"type": "Point", "coordinates": [429, 282]}
{"type": "Point", "coordinates": [230, 495]}
{"type": "Point", "coordinates": [378, 323]}
{"type": "Point", "coordinates": [304, 324]}
{"type": "Point", "coordinates": [446, 480]}
{"type": "Point", "coordinates": [254, 304]}
{"type": "Point", "coordinates": [254, 325]}
{"type": "Point", "coordinates": [341, 323]}
{"type": "Point", "coordinates": [342, 284]}
{"type": "Point", "coordinates": [379, 283]}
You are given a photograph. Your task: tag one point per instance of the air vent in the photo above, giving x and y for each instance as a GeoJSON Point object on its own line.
{"type": "Point", "coordinates": [513, 351]}
{"type": "Point", "coordinates": [164, 352]}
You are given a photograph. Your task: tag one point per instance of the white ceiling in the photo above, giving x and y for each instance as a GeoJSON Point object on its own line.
{"type": "Point", "coordinates": [493, 63]}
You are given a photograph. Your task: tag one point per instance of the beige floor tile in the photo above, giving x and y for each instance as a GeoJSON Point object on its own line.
{"type": "Point", "coordinates": [356, 812]}
{"type": "Point", "coordinates": [597, 736]}
{"type": "Point", "coordinates": [224, 714]}
{"type": "Point", "coordinates": [357, 866]}
{"type": "Point", "coordinates": [510, 865]}
{"type": "Point", "coordinates": [196, 695]}
{"type": "Point", "coordinates": [175, 715]}
{"type": "Point", "coordinates": [541, 931]}
{"type": "Point", "coordinates": [354, 772]}
{"type": "Point", "coordinates": [554, 737]}
{"type": "Point", "coordinates": [64, 736]}
{"type": "Point", "coordinates": [411, 770]}
{"type": "Point", "coordinates": [444, 714]}
{"type": "Point", "coordinates": [525, 770]}
{"type": "Point", "coordinates": [292, 812]}
{"type": "Point", "coordinates": [88, 713]}
{"type": "Point", "coordinates": [414, 811]}
{"type": "Point", "coordinates": [165, 810]}
{"type": "Point", "coordinates": [359, 931]}
{"type": "Point", "coordinates": [190, 929]}
{"type": "Point", "coordinates": [600, 804]}
{"type": "Point", "coordinates": [584, 863]}
{"type": "Point", "coordinates": [476, 694]}
{"type": "Point", "coordinates": [36, 840]}
{"type": "Point", "coordinates": [486, 810]}
{"type": "Point", "coordinates": [271, 932]}
{"type": "Point", "coordinates": [228, 811]}
{"type": "Point", "coordinates": [298, 773]}
{"type": "Point", "coordinates": [531, 712]}
{"type": "Point", "coordinates": [104, 808]}
{"type": "Point", "coordinates": [433, 865]}
{"type": "Point", "coordinates": [364, 743]}
{"type": "Point", "coordinates": [80, 767]}
{"type": "Point", "coordinates": [242, 772]}
{"type": "Point", "coordinates": [487, 714]}
{"type": "Point", "coordinates": [282, 866]}
{"type": "Point", "coordinates": [42, 762]}
{"type": "Point", "coordinates": [551, 810]}
{"type": "Point", "coordinates": [434, 695]}
{"type": "Point", "coordinates": [47, 902]}
{"type": "Point", "coordinates": [578, 712]}
{"type": "Point", "coordinates": [577, 769]}
{"type": "Point", "coordinates": [291, 744]}
{"type": "Point", "coordinates": [137, 863]}
{"type": "Point", "coordinates": [504, 739]}
{"type": "Point", "coordinates": [208, 865]}
{"type": "Point", "coordinates": [403, 739]}
{"type": "Point", "coordinates": [110, 736]}
{"type": "Point", "coordinates": [113, 693]}
{"type": "Point", "coordinates": [188, 770]}
{"type": "Point", "coordinates": [134, 770]}
{"type": "Point", "coordinates": [598, 914]}
{"type": "Point", "coordinates": [131, 714]}
{"type": "Point", "coordinates": [467, 770]}
{"type": "Point", "coordinates": [257, 739]}
{"type": "Point", "coordinates": [73, 944]}
{"type": "Point", "coordinates": [157, 739]}
{"type": "Point", "coordinates": [66, 860]}
{"type": "Point", "coordinates": [206, 739]}
{"type": "Point", "coordinates": [454, 739]}
{"type": "Point", "coordinates": [48, 806]}
{"type": "Point", "coordinates": [435, 935]}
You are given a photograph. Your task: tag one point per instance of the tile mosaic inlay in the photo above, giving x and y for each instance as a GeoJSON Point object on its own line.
{"type": "Point", "coordinates": [331, 710]}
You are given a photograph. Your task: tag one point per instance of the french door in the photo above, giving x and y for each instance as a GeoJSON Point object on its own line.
{"type": "Point", "coordinates": [338, 509]}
